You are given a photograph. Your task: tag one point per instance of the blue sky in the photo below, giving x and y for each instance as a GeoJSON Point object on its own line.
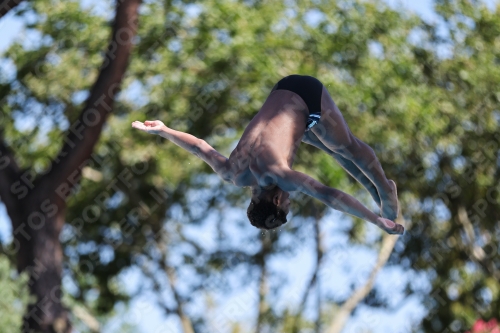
{"type": "Point", "coordinates": [357, 260]}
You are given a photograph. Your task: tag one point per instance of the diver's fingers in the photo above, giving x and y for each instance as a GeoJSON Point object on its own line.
{"type": "Point", "coordinates": [138, 125]}
{"type": "Point", "coordinates": [153, 123]}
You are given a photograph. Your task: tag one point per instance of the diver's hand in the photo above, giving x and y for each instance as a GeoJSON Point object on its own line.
{"type": "Point", "coordinates": [150, 126]}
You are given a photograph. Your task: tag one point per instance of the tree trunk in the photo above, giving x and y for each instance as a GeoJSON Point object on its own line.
{"type": "Point", "coordinates": [42, 257]}
{"type": "Point", "coordinates": [37, 207]}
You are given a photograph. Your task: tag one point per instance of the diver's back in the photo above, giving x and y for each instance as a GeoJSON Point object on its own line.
{"type": "Point", "coordinates": [274, 134]}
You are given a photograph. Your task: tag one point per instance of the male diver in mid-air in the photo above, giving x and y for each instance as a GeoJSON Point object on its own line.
{"type": "Point", "coordinates": [299, 108]}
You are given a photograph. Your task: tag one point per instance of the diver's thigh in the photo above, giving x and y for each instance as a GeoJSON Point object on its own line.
{"type": "Point", "coordinates": [311, 139]}
{"type": "Point", "coordinates": [332, 128]}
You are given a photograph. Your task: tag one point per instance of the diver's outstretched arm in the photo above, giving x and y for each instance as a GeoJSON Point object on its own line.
{"type": "Point", "coordinates": [183, 140]}
{"type": "Point", "coordinates": [192, 144]}
{"type": "Point", "coordinates": [291, 180]}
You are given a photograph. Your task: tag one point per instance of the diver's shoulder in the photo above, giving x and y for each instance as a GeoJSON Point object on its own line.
{"type": "Point", "coordinates": [270, 173]}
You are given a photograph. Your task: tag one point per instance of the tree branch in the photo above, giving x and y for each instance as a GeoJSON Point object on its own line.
{"type": "Point", "coordinates": [158, 289]}
{"type": "Point", "coordinates": [187, 326]}
{"type": "Point", "coordinates": [7, 5]}
{"type": "Point", "coordinates": [86, 318]}
{"type": "Point", "coordinates": [388, 243]}
{"type": "Point", "coordinates": [319, 258]}
{"type": "Point", "coordinates": [84, 133]}
{"type": "Point", "coordinates": [261, 260]}
{"type": "Point", "coordinates": [313, 281]}
{"type": "Point", "coordinates": [476, 253]}
{"type": "Point", "coordinates": [9, 173]}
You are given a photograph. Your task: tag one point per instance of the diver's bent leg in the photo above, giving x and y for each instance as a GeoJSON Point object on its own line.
{"type": "Point", "coordinates": [347, 165]}
{"type": "Point", "coordinates": [334, 133]}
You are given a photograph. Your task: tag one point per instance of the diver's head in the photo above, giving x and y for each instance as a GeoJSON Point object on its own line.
{"type": "Point", "coordinates": [268, 207]}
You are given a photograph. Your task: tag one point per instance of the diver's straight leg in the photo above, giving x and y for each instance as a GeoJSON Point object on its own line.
{"type": "Point", "coordinates": [333, 132]}
{"type": "Point", "coordinates": [347, 165]}
{"type": "Point", "coordinates": [365, 159]}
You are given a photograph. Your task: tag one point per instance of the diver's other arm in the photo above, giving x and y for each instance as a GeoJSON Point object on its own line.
{"type": "Point", "coordinates": [192, 144]}
{"type": "Point", "coordinates": [290, 180]}
{"type": "Point", "coordinates": [183, 140]}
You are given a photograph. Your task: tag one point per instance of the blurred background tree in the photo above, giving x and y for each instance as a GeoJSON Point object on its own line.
{"type": "Point", "coordinates": [423, 95]}
{"type": "Point", "coordinates": [14, 296]}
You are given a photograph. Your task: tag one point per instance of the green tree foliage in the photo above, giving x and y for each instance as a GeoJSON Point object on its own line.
{"type": "Point", "coordinates": [423, 95]}
{"type": "Point", "coordinates": [14, 296]}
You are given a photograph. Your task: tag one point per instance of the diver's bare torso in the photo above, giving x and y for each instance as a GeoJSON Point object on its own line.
{"type": "Point", "coordinates": [270, 140]}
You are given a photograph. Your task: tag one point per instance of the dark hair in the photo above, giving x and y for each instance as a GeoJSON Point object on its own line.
{"type": "Point", "coordinates": [265, 214]}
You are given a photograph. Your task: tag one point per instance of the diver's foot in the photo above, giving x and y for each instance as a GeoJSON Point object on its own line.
{"type": "Point", "coordinates": [390, 227]}
{"type": "Point", "coordinates": [390, 204]}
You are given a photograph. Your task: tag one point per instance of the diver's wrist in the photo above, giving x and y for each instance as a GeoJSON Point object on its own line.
{"type": "Point", "coordinates": [164, 131]}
